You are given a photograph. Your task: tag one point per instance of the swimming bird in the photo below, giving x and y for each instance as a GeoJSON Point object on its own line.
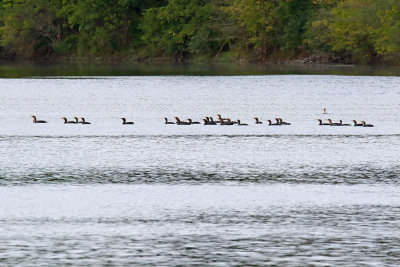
{"type": "Point", "coordinates": [227, 122]}
{"type": "Point", "coordinates": [179, 122]}
{"type": "Point", "coordinates": [273, 124]}
{"type": "Point", "coordinates": [67, 121]}
{"type": "Point", "coordinates": [320, 122]}
{"type": "Point", "coordinates": [257, 120]}
{"type": "Point", "coordinates": [83, 121]}
{"type": "Point", "coordinates": [193, 122]}
{"type": "Point", "coordinates": [241, 124]}
{"type": "Point", "coordinates": [208, 122]}
{"type": "Point", "coordinates": [343, 124]}
{"type": "Point", "coordinates": [168, 122]}
{"type": "Point", "coordinates": [212, 120]}
{"type": "Point", "coordinates": [324, 111]}
{"type": "Point", "coordinates": [38, 121]}
{"type": "Point", "coordinates": [333, 123]}
{"type": "Point", "coordinates": [357, 124]}
{"type": "Point", "coordinates": [77, 120]}
{"type": "Point", "coordinates": [220, 118]}
{"type": "Point", "coordinates": [364, 124]}
{"type": "Point", "coordinates": [126, 122]}
{"type": "Point", "coordinates": [283, 122]}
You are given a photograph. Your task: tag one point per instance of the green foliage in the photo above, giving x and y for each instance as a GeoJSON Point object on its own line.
{"type": "Point", "coordinates": [352, 29]}
{"type": "Point", "coordinates": [273, 25]}
{"type": "Point", "coordinates": [366, 29]}
{"type": "Point", "coordinates": [31, 27]}
{"type": "Point", "coordinates": [293, 17]}
{"type": "Point", "coordinates": [317, 35]}
{"type": "Point", "coordinates": [200, 29]}
{"type": "Point", "coordinates": [104, 26]}
{"type": "Point", "coordinates": [388, 34]}
{"type": "Point", "coordinates": [183, 27]}
{"type": "Point", "coordinates": [260, 21]}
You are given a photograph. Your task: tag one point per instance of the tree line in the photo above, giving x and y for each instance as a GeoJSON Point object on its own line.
{"type": "Point", "coordinates": [365, 31]}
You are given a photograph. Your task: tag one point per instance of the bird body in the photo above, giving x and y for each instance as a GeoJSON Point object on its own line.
{"type": "Point", "coordinates": [124, 122]}
{"type": "Point", "coordinates": [344, 124]}
{"type": "Point", "coordinates": [179, 122]}
{"type": "Point", "coordinates": [168, 122]}
{"type": "Point", "coordinates": [241, 124]}
{"type": "Point", "coordinates": [333, 123]}
{"type": "Point", "coordinates": [273, 124]}
{"type": "Point", "coordinates": [227, 122]}
{"type": "Point", "coordinates": [83, 121]}
{"type": "Point", "coordinates": [364, 124]}
{"type": "Point", "coordinates": [38, 121]}
{"type": "Point", "coordinates": [208, 122]}
{"type": "Point", "coordinates": [212, 120]}
{"type": "Point", "coordinates": [67, 121]}
{"type": "Point", "coordinates": [283, 122]}
{"type": "Point", "coordinates": [193, 122]}
{"type": "Point", "coordinates": [320, 122]}
{"type": "Point", "coordinates": [257, 120]}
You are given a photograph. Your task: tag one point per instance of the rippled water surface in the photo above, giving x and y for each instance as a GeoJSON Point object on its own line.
{"type": "Point", "coordinates": [156, 194]}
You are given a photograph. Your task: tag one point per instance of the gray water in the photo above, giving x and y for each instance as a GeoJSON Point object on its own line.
{"type": "Point", "coordinates": [156, 194]}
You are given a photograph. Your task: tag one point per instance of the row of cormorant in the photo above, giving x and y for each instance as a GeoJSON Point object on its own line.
{"type": "Point", "coordinates": [76, 121]}
{"type": "Point", "coordinates": [66, 121]}
{"type": "Point", "coordinates": [223, 121]}
{"type": "Point", "coordinates": [279, 122]}
{"type": "Point", "coordinates": [83, 121]}
{"type": "Point", "coordinates": [219, 121]}
{"type": "Point", "coordinates": [340, 123]}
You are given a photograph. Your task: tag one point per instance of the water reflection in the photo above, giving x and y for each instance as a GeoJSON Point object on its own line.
{"type": "Point", "coordinates": [82, 68]}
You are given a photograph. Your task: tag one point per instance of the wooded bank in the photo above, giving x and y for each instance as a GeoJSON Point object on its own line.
{"type": "Point", "coordinates": [337, 31]}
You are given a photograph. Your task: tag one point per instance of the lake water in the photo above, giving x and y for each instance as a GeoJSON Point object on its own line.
{"type": "Point", "coordinates": [156, 194]}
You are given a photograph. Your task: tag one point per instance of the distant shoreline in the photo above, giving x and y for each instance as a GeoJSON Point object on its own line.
{"type": "Point", "coordinates": [310, 59]}
{"type": "Point", "coordinates": [98, 68]}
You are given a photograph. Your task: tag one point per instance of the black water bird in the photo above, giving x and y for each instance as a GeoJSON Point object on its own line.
{"type": "Point", "coordinates": [227, 122]}
{"type": "Point", "coordinates": [283, 122]}
{"type": "Point", "coordinates": [344, 124]}
{"type": "Point", "coordinates": [208, 122]}
{"type": "Point", "coordinates": [364, 124]}
{"type": "Point", "coordinates": [193, 122]}
{"type": "Point", "coordinates": [273, 124]}
{"type": "Point", "coordinates": [230, 121]}
{"type": "Point", "coordinates": [38, 121]}
{"type": "Point", "coordinates": [320, 122]}
{"type": "Point", "coordinates": [357, 124]}
{"type": "Point", "coordinates": [168, 122]}
{"type": "Point", "coordinates": [241, 124]}
{"type": "Point", "coordinates": [179, 122]}
{"type": "Point", "coordinates": [126, 122]}
{"type": "Point", "coordinates": [333, 123]}
{"type": "Point", "coordinates": [257, 120]}
{"type": "Point", "coordinates": [212, 120]}
{"type": "Point", "coordinates": [83, 121]}
{"type": "Point", "coordinates": [67, 121]}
